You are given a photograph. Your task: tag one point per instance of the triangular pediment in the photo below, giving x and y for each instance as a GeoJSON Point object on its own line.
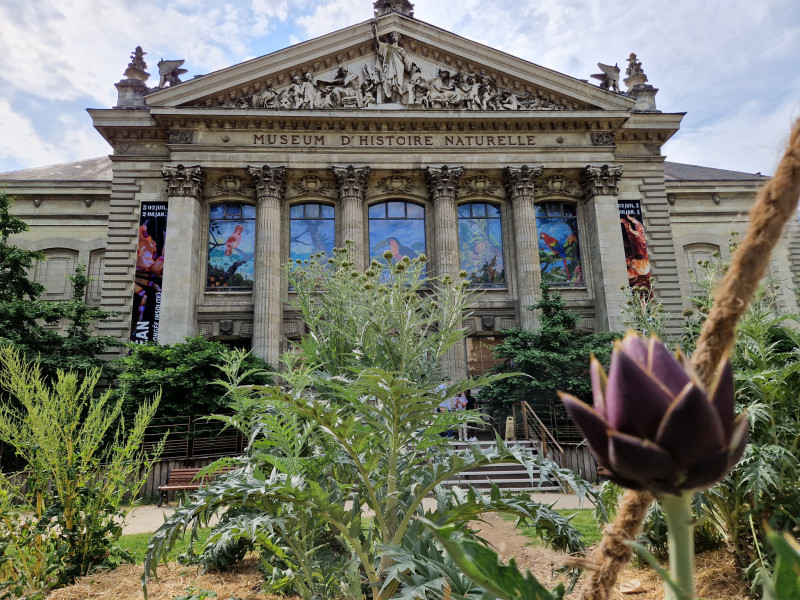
{"type": "Point", "coordinates": [426, 69]}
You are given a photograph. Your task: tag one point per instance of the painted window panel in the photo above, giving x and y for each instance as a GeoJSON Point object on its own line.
{"type": "Point", "coordinates": [312, 230]}
{"type": "Point", "coordinates": [480, 239]}
{"type": "Point", "coordinates": [396, 226]}
{"type": "Point", "coordinates": [231, 247]}
{"type": "Point", "coordinates": [559, 246]}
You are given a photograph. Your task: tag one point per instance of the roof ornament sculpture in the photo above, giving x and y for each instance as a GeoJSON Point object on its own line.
{"type": "Point", "coordinates": [170, 72]}
{"type": "Point", "coordinates": [609, 78]}
{"type": "Point", "coordinates": [137, 68]}
{"type": "Point", "coordinates": [386, 7]}
{"type": "Point", "coordinates": [634, 72]}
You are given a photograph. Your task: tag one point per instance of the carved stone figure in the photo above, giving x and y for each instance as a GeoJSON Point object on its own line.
{"type": "Point", "coordinates": [344, 91]}
{"type": "Point", "coordinates": [265, 99]}
{"type": "Point", "coordinates": [393, 63]}
{"type": "Point", "coordinates": [609, 78]}
{"type": "Point", "coordinates": [385, 7]}
{"type": "Point", "coordinates": [170, 72]}
{"type": "Point", "coordinates": [137, 68]}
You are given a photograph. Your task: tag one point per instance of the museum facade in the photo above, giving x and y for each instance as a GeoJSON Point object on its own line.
{"type": "Point", "coordinates": [401, 137]}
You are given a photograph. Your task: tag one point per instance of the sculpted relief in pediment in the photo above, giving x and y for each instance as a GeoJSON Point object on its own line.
{"type": "Point", "coordinates": [392, 77]}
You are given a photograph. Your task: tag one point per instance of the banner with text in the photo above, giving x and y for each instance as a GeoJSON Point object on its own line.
{"type": "Point", "coordinates": [633, 237]}
{"type": "Point", "coordinates": [149, 271]}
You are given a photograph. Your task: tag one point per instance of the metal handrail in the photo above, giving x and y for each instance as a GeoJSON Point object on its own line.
{"type": "Point", "coordinates": [543, 434]}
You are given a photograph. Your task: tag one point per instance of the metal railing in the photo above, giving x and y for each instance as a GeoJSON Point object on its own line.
{"type": "Point", "coordinates": [192, 437]}
{"type": "Point", "coordinates": [535, 430]}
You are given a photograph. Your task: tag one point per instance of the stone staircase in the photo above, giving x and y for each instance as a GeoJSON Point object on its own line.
{"type": "Point", "coordinates": [508, 476]}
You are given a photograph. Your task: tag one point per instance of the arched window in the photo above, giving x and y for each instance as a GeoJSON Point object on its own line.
{"type": "Point", "coordinates": [231, 247]}
{"type": "Point", "coordinates": [480, 241]}
{"type": "Point", "coordinates": [398, 226]}
{"type": "Point", "coordinates": [312, 229]}
{"type": "Point", "coordinates": [696, 256]}
{"type": "Point", "coordinates": [559, 246]}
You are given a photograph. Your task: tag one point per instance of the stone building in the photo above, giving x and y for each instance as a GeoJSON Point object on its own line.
{"type": "Point", "coordinates": [399, 136]}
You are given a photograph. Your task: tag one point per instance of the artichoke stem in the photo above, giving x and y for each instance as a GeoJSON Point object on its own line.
{"type": "Point", "coordinates": [680, 525]}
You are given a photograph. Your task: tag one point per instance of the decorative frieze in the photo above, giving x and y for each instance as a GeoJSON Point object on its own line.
{"type": "Point", "coordinates": [184, 181]}
{"type": "Point", "coordinates": [351, 182]}
{"type": "Point", "coordinates": [443, 182]}
{"type": "Point", "coordinates": [180, 136]}
{"type": "Point", "coordinates": [521, 181]}
{"type": "Point", "coordinates": [601, 181]}
{"type": "Point", "coordinates": [270, 181]}
{"type": "Point", "coordinates": [602, 138]}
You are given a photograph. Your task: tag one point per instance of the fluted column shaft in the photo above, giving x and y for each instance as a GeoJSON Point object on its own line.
{"type": "Point", "coordinates": [182, 269]}
{"type": "Point", "coordinates": [442, 188]}
{"type": "Point", "coordinates": [606, 248]}
{"type": "Point", "coordinates": [520, 185]}
{"type": "Point", "coordinates": [270, 183]}
{"type": "Point", "coordinates": [351, 184]}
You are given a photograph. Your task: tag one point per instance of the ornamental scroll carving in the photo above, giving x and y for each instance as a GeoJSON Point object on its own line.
{"type": "Point", "coordinates": [184, 181]}
{"type": "Point", "coordinates": [601, 181]}
{"type": "Point", "coordinates": [443, 182]}
{"type": "Point", "coordinates": [559, 185]}
{"type": "Point", "coordinates": [311, 185]}
{"type": "Point", "coordinates": [230, 185]}
{"type": "Point", "coordinates": [351, 181]}
{"type": "Point", "coordinates": [602, 138]}
{"type": "Point", "coordinates": [396, 183]}
{"type": "Point", "coordinates": [179, 136]}
{"type": "Point", "coordinates": [270, 181]}
{"type": "Point", "coordinates": [479, 185]}
{"type": "Point", "coordinates": [521, 181]}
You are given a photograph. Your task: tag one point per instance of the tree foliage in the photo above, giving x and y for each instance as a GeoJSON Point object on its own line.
{"type": "Point", "coordinates": [554, 358]}
{"type": "Point", "coordinates": [183, 373]}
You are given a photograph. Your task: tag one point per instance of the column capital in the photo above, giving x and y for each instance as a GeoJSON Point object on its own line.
{"type": "Point", "coordinates": [601, 180]}
{"type": "Point", "coordinates": [521, 181]}
{"type": "Point", "coordinates": [443, 182]}
{"type": "Point", "coordinates": [351, 182]}
{"type": "Point", "coordinates": [184, 181]}
{"type": "Point", "coordinates": [270, 181]}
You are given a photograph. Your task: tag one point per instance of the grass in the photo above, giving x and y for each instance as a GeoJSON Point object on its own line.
{"type": "Point", "coordinates": [136, 543]}
{"type": "Point", "coordinates": [583, 520]}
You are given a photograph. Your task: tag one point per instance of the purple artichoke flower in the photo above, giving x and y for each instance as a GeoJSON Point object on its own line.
{"type": "Point", "coordinates": [654, 426]}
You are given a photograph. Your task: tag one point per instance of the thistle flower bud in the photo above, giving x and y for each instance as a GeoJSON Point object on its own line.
{"type": "Point", "coordinates": [653, 426]}
{"type": "Point", "coordinates": [388, 255]}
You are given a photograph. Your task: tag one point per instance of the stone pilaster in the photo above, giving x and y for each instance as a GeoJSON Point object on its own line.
{"type": "Point", "coordinates": [520, 185]}
{"type": "Point", "coordinates": [351, 184]}
{"type": "Point", "coordinates": [442, 187]}
{"type": "Point", "coordinates": [181, 254]}
{"type": "Point", "coordinates": [270, 184]}
{"type": "Point", "coordinates": [605, 248]}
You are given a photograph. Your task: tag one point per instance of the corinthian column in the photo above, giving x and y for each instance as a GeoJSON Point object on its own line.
{"type": "Point", "coordinates": [606, 250]}
{"type": "Point", "coordinates": [181, 254]}
{"type": "Point", "coordinates": [351, 183]}
{"type": "Point", "coordinates": [520, 190]}
{"type": "Point", "coordinates": [270, 184]}
{"type": "Point", "coordinates": [442, 186]}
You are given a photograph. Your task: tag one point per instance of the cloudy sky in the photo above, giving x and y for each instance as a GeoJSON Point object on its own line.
{"type": "Point", "coordinates": [732, 65]}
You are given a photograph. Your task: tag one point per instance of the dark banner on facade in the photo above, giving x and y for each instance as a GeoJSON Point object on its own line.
{"type": "Point", "coordinates": [149, 271]}
{"type": "Point", "coordinates": [630, 218]}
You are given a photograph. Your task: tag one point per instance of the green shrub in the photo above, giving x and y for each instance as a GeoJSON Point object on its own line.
{"type": "Point", "coordinates": [68, 518]}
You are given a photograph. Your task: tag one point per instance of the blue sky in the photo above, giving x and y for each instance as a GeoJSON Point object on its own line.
{"type": "Point", "coordinates": [732, 65]}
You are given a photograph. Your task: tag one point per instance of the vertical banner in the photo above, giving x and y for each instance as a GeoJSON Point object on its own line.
{"type": "Point", "coordinates": [633, 237]}
{"type": "Point", "coordinates": [149, 271]}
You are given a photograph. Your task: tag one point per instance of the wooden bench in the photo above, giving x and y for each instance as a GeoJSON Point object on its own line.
{"type": "Point", "coordinates": [182, 480]}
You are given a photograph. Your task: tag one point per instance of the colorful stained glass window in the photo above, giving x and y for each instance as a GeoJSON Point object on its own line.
{"type": "Point", "coordinates": [231, 247]}
{"type": "Point", "coordinates": [480, 240]}
{"type": "Point", "coordinates": [398, 226]}
{"type": "Point", "coordinates": [312, 230]}
{"type": "Point", "coordinates": [559, 246]}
